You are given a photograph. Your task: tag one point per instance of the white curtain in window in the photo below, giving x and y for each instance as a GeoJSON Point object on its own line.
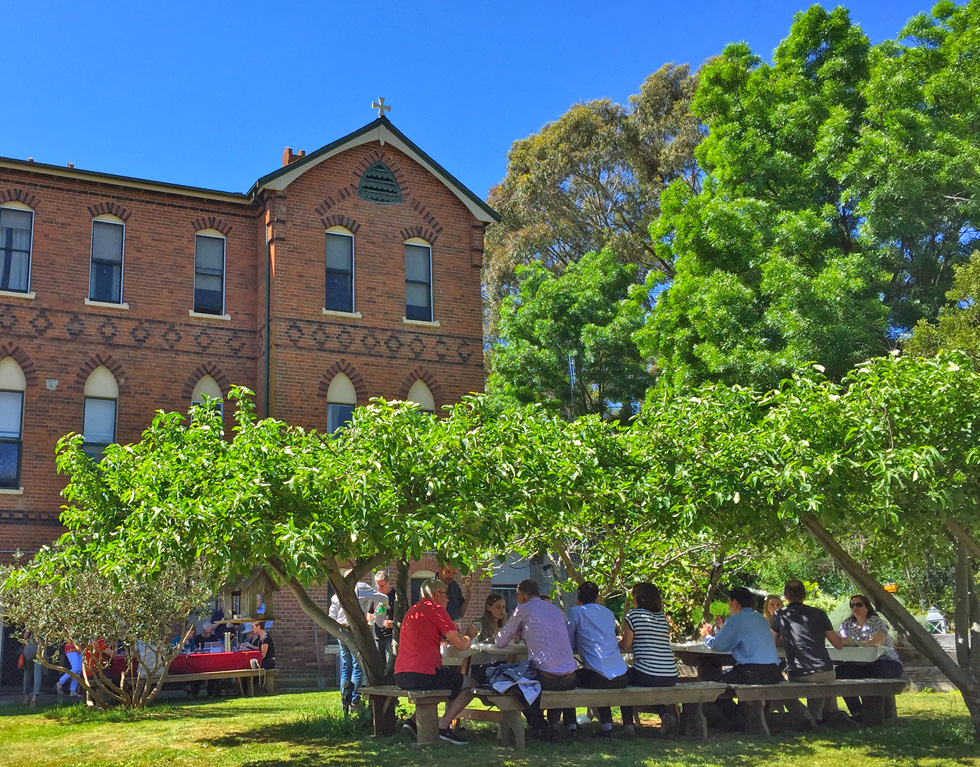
{"type": "Point", "coordinates": [100, 420]}
{"type": "Point", "coordinates": [10, 413]}
{"type": "Point", "coordinates": [15, 248]}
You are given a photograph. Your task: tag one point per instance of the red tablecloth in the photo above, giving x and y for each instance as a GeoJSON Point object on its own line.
{"type": "Point", "coordinates": [200, 662]}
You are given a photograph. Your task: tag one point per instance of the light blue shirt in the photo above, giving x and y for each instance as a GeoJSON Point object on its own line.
{"type": "Point", "coordinates": [592, 632]}
{"type": "Point", "coordinates": [747, 636]}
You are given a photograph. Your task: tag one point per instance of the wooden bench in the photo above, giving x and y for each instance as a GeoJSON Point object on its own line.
{"type": "Point", "coordinates": [249, 675]}
{"type": "Point", "coordinates": [690, 696]}
{"type": "Point", "coordinates": [878, 693]}
{"type": "Point", "coordinates": [426, 709]}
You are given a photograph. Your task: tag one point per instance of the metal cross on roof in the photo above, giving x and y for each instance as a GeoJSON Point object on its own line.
{"type": "Point", "coordinates": [380, 106]}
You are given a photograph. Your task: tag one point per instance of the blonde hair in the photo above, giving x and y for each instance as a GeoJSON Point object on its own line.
{"type": "Point", "coordinates": [431, 586]}
{"type": "Point", "coordinates": [768, 609]}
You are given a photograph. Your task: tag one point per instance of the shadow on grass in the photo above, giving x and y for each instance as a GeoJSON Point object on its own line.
{"type": "Point", "coordinates": [326, 739]}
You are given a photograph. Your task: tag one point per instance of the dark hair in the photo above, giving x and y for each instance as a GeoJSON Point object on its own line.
{"type": "Point", "coordinates": [528, 588]}
{"type": "Point", "coordinates": [588, 592]}
{"type": "Point", "coordinates": [794, 591]}
{"type": "Point", "coordinates": [647, 597]}
{"type": "Point", "coordinates": [741, 595]}
{"type": "Point", "coordinates": [867, 603]}
{"type": "Point", "coordinates": [489, 626]}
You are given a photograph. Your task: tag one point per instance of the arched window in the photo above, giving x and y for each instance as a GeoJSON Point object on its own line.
{"type": "Point", "coordinates": [106, 274]}
{"type": "Point", "coordinates": [421, 394]}
{"type": "Point", "coordinates": [208, 387]}
{"type": "Point", "coordinates": [13, 384]}
{"type": "Point", "coordinates": [418, 280]}
{"type": "Point", "coordinates": [16, 236]}
{"type": "Point", "coordinates": [209, 272]}
{"type": "Point", "coordinates": [339, 270]}
{"type": "Point", "coordinates": [341, 401]}
{"type": "Point", "coordinates": [99, 426]}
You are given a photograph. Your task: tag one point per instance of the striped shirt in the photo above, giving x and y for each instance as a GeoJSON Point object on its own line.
{"type": "Point", "coordinates": [651, 643]}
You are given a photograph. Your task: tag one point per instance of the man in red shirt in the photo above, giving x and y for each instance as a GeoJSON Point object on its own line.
{"type": "Point", "coordinates": [418, 665]}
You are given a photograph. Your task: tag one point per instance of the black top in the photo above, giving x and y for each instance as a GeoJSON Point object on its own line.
{"type": "Point", "coordinates": [804, 633]}
{"type": "Point", "coordinates": [200, 640]}
{"type": "Point", "coordinates": [269, 661]}
{"type": "Point", "coordinates": [455, 594]}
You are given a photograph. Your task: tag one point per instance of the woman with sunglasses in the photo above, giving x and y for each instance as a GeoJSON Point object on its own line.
{"type": "Point", "coordinates": [865, 628]}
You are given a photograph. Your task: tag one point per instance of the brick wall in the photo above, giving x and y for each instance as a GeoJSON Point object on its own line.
{"type": "Point", "coordinates": [157, 352]}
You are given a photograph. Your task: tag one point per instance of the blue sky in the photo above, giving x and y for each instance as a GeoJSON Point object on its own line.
{"type": "Point", "coordinates": [209, 93]}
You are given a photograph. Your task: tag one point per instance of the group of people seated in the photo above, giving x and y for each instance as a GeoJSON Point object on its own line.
{"type": "Point", "coordinates": [802, 631]}
{"type": "Point", "coordinates": [552, 642]}
{"type": "Point", "coordinates": [590, 631]}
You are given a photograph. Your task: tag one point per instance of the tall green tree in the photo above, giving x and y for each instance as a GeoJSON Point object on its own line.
{"type": "Point", "coordinates": [770, 272]}
{"type": "Point", "coordinates": [958, 326]}
{"type": "Point", "coordinates": [592, 179]}
{"type": "Point", "coordinates": [587, 312]}
{"type": "Point", "coordinates": [916, 168]}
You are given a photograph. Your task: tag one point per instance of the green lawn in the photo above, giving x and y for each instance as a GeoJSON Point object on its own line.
{"type": "Point", "coordinates": [306, 729]}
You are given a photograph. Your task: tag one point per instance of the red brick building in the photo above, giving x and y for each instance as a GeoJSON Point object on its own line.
{"type": "Point", "coordinates": [350, 272]}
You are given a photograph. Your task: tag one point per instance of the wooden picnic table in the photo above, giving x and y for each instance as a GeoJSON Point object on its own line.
{"type": "Point", "coordinates": [709, 662]}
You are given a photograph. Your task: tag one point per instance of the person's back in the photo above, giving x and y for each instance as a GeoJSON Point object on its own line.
{"type": "Point", "coordinates": [541, 626]}
{"type": "Point", "coordinates": [803, 630]}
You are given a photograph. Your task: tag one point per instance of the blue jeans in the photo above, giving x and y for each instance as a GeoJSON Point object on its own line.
{"type": "Point", "coordinates": [350, 670]}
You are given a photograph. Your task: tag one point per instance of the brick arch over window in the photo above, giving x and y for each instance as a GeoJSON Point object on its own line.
{"type": "Point", "coordinates": [375, 156]}
{"type": "Point", "coordinates": [419, 231]}
{"type": "Point", "coordinates": [210, 222]}
{"type": "Point", "coordinates": [338, 219]}
{"type": "Point", "coordinates": [431, 221]}
{"type": "Point", "coordinates": [18, 195]}
{"type": "Point", "coordinates": [343, 366]}
{"type": "Point", "coordinates": [207, 369]}
{"type": "Point", "coordinates": [113, 366]}
{"type": "Point", "coordinates": [10, 349]}
{"type": "Point", "coordinates": [112, 208]}
{"type": "Point", "coordinates": [420, 374]}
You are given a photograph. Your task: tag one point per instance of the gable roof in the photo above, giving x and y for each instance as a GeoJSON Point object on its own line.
{"type": "Point", "coordinates": [382, 131]}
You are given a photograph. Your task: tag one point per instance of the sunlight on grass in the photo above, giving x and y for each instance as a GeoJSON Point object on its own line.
{"type": "Point", "coordinates": [307, 729]}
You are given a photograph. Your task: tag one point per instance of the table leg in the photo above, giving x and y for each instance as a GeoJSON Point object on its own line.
{"type": "Point", "coordinates": [873, 709]}
{"type": "Point", "coordinates": [250, 686]}
{"type": "Point", "coordinates": [511, 729]}
{"type": "Point", "coordinates": [693, 721]}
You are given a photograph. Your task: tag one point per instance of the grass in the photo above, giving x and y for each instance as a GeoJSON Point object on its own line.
{"type": "Point", "coordinates": [307, 729]}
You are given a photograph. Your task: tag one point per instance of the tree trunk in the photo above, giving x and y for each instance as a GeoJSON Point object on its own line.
{"type": "Point", "coordinates": [713, 580]}
{"type": "Point", "coordinates": [964, 537]}
{"type": "Point", "coordinates": [966, 680]}
{"type": "Point", "coordinates": [963, 610]}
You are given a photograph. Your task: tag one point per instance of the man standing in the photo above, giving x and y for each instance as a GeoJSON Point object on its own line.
{"type": "Point", "coordinates": [383, 623]}
{"type": "Point", "coordinates": [804, 630]}
{"type": "Point", "coordinates": [350, 667]}
{"type": "Point", "coordinates": [592, 633]}
{"type": "Point", "coordinates": [457, 602]}
{"type": "Point", "coordinates": [419, 662]}
{"type": "Point", "coordinates": [541, 626]}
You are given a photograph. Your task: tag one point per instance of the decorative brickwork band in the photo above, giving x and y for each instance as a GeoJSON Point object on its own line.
{"type": "Point", "coordinates": [339, 196]}
{"type": "Point", "coordinates": [380, 155]}
{"type": "Point", "coordinates": [419, 231]}
{"type": "Point", "coordinates": [18, 195]}
{"type": "Point", "coordinates": [10, 349]}
{"type": "Point", "coordinates": [210, 222]}
{"type": "Point", "coordinates": [338, 219]}
{"type": "Point", "coordinates": [112, 208]}
{"type": "Point", "coordinates": [343, 366]}
{"type": "Point", "coordinates": [428, 379]}
{"type": "Point", "coordinates": [207, 369]}
{"type": "Point", "coordinates": [98, 360]}
{"type": "Point", "coordinates": [427, 216]}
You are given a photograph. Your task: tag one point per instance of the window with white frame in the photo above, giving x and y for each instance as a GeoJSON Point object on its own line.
{"type": "Point", "coordinates": [16, 237]}
{"type": "Point", "coordinates": [341, 401]}
{"type": "Point", "coordinates": [422, 395]}
{"type": "Point", "coordinates": [106, 275]}
{"type": "Point", "coordinates": [339, 270]}
{"type": "Point", "coordinates": [99, 424]}
{"type": "Point", "coordinates": [207, 389]}
{"type": "Point", "coordinates": [209, 273]}
{"type": "Point", "coordinates": [13, 384]}
{"type": "Point", "coordinates": [418, 280]}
